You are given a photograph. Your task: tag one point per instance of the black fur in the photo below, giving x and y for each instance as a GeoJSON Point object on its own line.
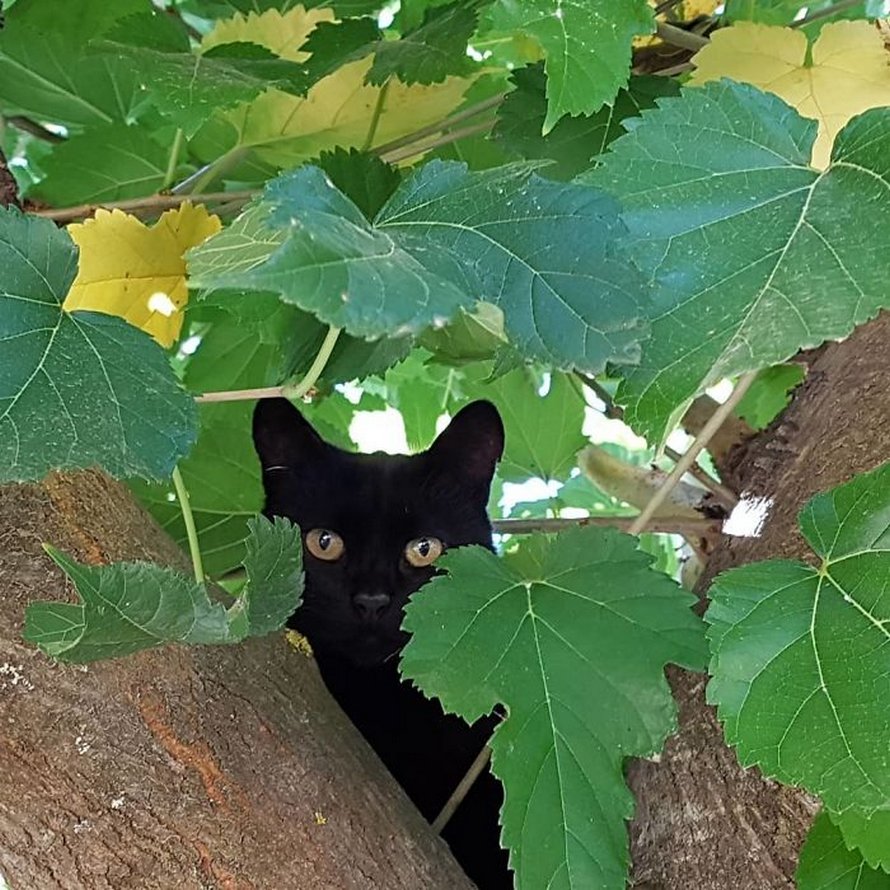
{"type": "Point", "coordinates": [378, 503]}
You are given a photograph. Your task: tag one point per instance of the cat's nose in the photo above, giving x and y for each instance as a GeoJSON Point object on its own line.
{"type": "Point", "coordinates": [370, 605]}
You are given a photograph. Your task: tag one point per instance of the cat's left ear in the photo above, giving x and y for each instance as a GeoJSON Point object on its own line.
{"type": "Point", "coordinates": [472, 444]}
{"type": "Point", "coordinates": [283, 438]}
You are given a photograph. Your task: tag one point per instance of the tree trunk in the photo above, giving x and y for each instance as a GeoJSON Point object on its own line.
{"type": "Point", "coordinates": [226, 767]}
{"type": "Point", "coordinates": [702, 821]}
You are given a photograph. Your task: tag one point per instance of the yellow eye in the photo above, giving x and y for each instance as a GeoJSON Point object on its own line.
{"type": "Point", "coordinates": [423, 551]}
{"type": "Point", "coordinates": [324, 544]}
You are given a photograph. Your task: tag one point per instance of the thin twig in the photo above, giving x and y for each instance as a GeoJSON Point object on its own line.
{"type": "Point", "coordinates": [701, 440]}
{"type": "Point", "coordinates": [173, 159]}
{"type": "Point", "coordinates": [666, 6]}
{"type": "Point", "coordinates": [26, 125]}
{"type": "Point", "coordinates": [393, 157]}
{"type": "Point", "coordinates": [463, 787]}
{"type": "Point", "coordinates": [150, 202]}
{"type": "Point", "coordinates": [445, 124]}
{"type": "Point", "coordinates": [616, 412]}
{"type": "Point", "coordinates": [242, 395]}
{"type": "Point", "coordinates": [829, 11]}
{"type": "Point", "coordinates": [663, 525]}
{"type": "Point", "coordinates": [679, 37]}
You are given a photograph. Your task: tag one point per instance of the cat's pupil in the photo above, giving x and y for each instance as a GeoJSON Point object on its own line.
{"type": "Point", "coordinates": [324, 540]}
{"type": "Point", "coordinates": [423, 547]}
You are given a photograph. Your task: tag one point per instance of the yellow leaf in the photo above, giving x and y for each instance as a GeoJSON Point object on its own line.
{"type": "Point", "coordinates": [282, 33]}
{"type": "Point", "coordinates": [126, 268]}
{"type": "Point", "coordinates": [284, 129]}
{"type": "Point", "coordinates": [850, 72]}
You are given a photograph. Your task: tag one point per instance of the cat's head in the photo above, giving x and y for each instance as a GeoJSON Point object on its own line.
{"type": "Point", "coordinates": [373, 524]}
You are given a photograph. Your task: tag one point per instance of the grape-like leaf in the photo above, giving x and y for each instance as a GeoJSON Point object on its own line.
{"type": "Point", "coordinates": [575, 141]}
{"type": "Point", "coordinates": [586, 44]}
{"type": "Point", "coordinates": [130, 606]}
{"type": "Point", "coordinates": [366, 180]}
{"type": "Point", "coordinates": [571, 634]}
{"type": "Point", "coordinates": [827, 864]}
{"type": "Point", "coordinates": [446, 239]}
{"type": "Point", "coordinates": [133, 164]}
{"type": "Point", "coordinates": [769, 394]}
{"type": "Point", "coordinates": [752, 254]}
{"type": "Point", "coordinates": [77, 389]}
{"type": "Point", "coordinates": [800, 652]}
{"type": "Point", "coordinates": [432, 51]}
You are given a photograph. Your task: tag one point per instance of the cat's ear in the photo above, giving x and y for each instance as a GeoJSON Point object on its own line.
{"type": "Point", "coordinates": [282, 436]}
{"type": "Point", "coordinates": [472, 444]}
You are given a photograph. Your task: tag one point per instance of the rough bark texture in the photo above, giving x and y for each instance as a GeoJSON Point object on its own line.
{"type": "Point", "coordinates": [702, 821]}
{"type": "Point", "coordinates": [224, 767]}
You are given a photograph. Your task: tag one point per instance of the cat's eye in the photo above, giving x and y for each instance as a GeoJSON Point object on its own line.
{"type": "Point", "coordinates": [324, 544]}
{"type": "Point", "coordinates": [423, 551]}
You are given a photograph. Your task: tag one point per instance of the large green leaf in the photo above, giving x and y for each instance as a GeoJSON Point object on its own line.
{"type": "Point", "coordinates": [574, 142]}
{"type": "Point", "coordinates": [132, 164]}
{"type": "Point", "coordinates": [127, 607]}
{"type": "Point", "coordinates": [752, 254]}
{"type": "Point", "coordinates": [799, 653]}
{"type": "Point", "coordinates": [571, 634]}
{"type": "Point", "coordinates": [586, 44]}
{"type": "Point", "coordinates": [77, 389]}
{"type": "Point", "coordinates": [827, 864]}
{"type": "Point", "coordinates": [446, 239]}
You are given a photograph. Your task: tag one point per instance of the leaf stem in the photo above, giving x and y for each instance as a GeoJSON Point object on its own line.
{"type": "Point", "coordinates": [686, 461]}
{"type": "Point", "coordinates": [189, 520]}
{"type": "Point", "coordinates": [311, 376]}
{"type": "Point", "coordinates": [175, 149]}
{"type": "Point", "coordinates": [375, 116]}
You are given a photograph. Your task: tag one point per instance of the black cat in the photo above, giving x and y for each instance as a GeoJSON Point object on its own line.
{"type": "Point", "coordinates": [373, 526]}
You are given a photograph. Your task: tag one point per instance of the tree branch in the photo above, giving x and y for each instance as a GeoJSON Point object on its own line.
{"type": "Point", "coordinates": [38, 131]}
{"type": "Point", "coordinates": [665, 525]}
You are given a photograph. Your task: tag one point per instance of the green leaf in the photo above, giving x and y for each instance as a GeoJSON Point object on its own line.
{"type": "Point", "coordinates": [274, 565]}
{"type": "Point", "coordinates": [130, 606]}
{"type": "Point", "coordinates": [189, 87]}
{"type": "Point", "coordinates": [542, 433]}
{"type": "Point", "coordinates": [571, 634]}
{"type": "Point", "coordinates": [77, 389]}
{"type": "Point", "coordinates": [431, 52]}
{"type": "Point", "coordinates": [769, 394]}
{"type": "Point", "coordinates": [586, 44]}
{"type": "Point", "coordinates": [469, 337]}
{"type": "Point", "coordinates": [126, 607]}
{"type": "Point", "coordinates": [869, 835]}
{"type": "Point", "coordinates": [222, 476]}
{"type": "Point", "coordinates": [798, 652]}
{"type": "Point", "coordinates": [132, 164]}
{"type": "Point", "coordinates": [827, 864]}
{"type": "Point", "coordinates": [79, 21]}
{"type": "Point", "coordinates": [43, 76]}
{"type": "Point", "coordinates": [573, 142]}
{"type": "Point", "coordinates": [314, 247]}
{"type": "Point", "coordinates": [366, 180]}
{"type": "Point", "coordinates": [752, 254]}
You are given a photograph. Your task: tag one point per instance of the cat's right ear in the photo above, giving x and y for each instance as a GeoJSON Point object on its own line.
{"type": "Point", "coordinates": [283, 438]}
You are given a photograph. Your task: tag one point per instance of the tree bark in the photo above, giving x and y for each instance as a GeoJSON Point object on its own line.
{"type": "Point", "coordinates": [702, 821]}
{"type": "Point", "coordinates": [226, 767]}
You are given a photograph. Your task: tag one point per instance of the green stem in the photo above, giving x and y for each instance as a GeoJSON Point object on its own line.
{"type": "Point", "coordinates": [311, 376]}
{"type": "Point", "coordinates": [175, 149]}
{"type": "Point", "coordinates": [190, 530]}
{"type": "Point", "coordinates": [375, 118]}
